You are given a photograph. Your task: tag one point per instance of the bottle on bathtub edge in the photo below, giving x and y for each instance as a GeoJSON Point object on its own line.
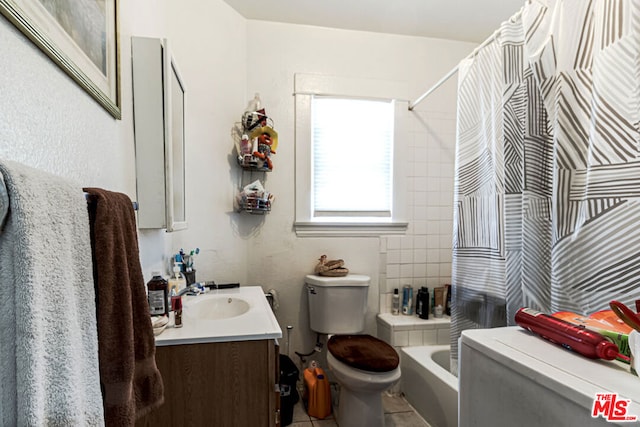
{"type": "Point", "coordinates": [422, 303]}
{"type": "Point", "coordinates": [395, 307]}
{"type": "Point", "coordinates": [407, 300]}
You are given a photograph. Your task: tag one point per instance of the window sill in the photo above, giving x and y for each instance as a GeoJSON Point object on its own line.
{"type": "Point", "coordinates": [349, 229]}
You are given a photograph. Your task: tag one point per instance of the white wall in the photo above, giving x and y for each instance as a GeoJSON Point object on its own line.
{"type": "Point", "coordinates": [280, 260]}
{"type": "Point", "coordinates": [50, 123]}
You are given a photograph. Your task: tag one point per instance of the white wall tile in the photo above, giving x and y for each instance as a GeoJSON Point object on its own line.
{"type": "Point", "coordinates": [406, 242]}
{"type": "Point", "coordinates": [406, 256]}
{"type": "Point", "coordinates": [420, 255]}
{"type": "Point", "coordinates": [393, 242]}
{"type": "Point", "coordinates": [430, 336]}
{"type": "Point", "coordinates": [420, 270]}
{"type": "Point", "coordinates": [420, 242]}
{"type": "Point", "coordinates": [415, 338]}
{"type": "Point", "coordinates": [420, 227]}
{"type": "Point", "coordinates": [445, 269]}
{"type": "Point", "coordinates": [401, 338]}
{"type": "Point", "coordinates": [393, 271]}
{"type": "Point", "coordinates": [433, 269]}
{"type": "Point", "coordinates": [406, 271]}
{"type": "Point", "coordinates": [393, 256]}
{"type": "Point", "coordinates": [393, 284]}
{"type": "Point", "coordinates": [444, 336]}
{"type": "Point", "coordinates": [433, 255]}
{"type": "Point", "coordinates": [383, 244]}
{"type": "Point", "coordinates": [384, 333]}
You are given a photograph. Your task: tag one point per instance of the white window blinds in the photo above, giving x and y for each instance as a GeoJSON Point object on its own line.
{"type": "Point", "coordinates": [352, 149]}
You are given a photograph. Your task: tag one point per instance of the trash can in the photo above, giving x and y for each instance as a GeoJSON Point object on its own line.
{"type": "Point", "coordinates": [288, 392]}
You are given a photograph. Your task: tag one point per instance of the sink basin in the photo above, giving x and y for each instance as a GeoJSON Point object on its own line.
{"type": "Point", "coordinates": [223, 315]}
{"type": "Point", "coordinates": [213, 307]}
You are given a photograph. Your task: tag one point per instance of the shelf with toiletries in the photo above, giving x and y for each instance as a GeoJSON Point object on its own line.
{"type": "Point", "coordinates": [254, 199]}
{"type": "Point", "coordinates": [255, 142]}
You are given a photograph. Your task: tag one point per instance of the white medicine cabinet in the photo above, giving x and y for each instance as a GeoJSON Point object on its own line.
{"type": "Point", "coordinates": [159, 127]}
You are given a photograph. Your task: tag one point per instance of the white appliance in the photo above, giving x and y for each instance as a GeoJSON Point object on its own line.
{"type": "Point", "coordinates": [511, 377]}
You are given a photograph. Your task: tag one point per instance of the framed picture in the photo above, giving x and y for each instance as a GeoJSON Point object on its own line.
{"type": "Point", "coordinates": [81, 36]}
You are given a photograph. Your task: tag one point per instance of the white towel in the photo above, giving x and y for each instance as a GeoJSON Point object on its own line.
{"type": "Point", "coordinates": [48, 337]}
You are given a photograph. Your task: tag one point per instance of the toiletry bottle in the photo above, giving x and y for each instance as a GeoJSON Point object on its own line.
{"type": "Point", "coordinates": [177, 280]}
{"type": "Point", "coordinates": [407, 300]}
{"type": "Point", "coordinates": [176, 306]}
{"type": "Point", "coordinates": [422, 303]}
{"type": "Point", "coordinates": [395, 308]}
{"type": "Point", "coordinates": [447, 302]}
{"type": "Point", "coordinates": [245, 145]}
{"type": "Point", "coordinates": [157, 289]}
{"type": "Point", "coordinates": [437, 312]}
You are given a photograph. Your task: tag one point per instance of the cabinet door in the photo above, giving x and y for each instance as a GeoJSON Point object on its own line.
{"type": "Point", "coordinates": [159, 119]}
{"type": "Point", "coordinates": [217, 384]}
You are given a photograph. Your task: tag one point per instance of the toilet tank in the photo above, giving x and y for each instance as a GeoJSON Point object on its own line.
{"type": "Point", "coordinates": [337, 305]}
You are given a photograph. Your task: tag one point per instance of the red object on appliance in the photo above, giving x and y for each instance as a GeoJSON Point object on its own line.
{"type": "Point", "coordinates": [577, 338]}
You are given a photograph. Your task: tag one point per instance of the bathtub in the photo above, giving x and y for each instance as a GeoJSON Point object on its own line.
{"type": "Point", "coordinates": [428, 385]}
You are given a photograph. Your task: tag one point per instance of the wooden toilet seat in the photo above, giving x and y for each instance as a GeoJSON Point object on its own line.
{"type": "Point", "coordinates": [364, 352]}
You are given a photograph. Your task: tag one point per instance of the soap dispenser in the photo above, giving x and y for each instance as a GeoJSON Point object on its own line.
{"type": "Point", "coordinates": [177, 281]}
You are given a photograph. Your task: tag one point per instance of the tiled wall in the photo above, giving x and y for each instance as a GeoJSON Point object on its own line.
{"type": "Point", "coordinates": [423, 256]}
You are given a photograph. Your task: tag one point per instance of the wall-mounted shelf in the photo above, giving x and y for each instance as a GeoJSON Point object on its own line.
{"type": "Point", "coordinates": [251, 165]}
{"type": "Point", "coordinates": [255, 141]}
{"type": "Point", "coordinates": [255, 205]}
{"type": "Point", "coordinates": [257, 202]}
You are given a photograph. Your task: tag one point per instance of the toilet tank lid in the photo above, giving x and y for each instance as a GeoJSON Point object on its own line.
{"type": "Point", "coordinates": [348, 280]}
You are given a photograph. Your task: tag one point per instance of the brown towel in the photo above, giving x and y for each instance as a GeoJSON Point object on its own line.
{"type": "Point", "coordinates": [130, 380]}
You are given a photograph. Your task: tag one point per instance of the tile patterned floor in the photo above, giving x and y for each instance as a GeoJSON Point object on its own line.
{"type": "Point", "coordinates": [397, 413]}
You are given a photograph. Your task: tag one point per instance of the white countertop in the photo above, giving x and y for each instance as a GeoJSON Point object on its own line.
{"type": "Point", "coordinates": [258, 323]}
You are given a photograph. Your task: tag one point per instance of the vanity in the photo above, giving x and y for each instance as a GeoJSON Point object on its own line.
{"type": "Point", "coordinates": [221, 367]}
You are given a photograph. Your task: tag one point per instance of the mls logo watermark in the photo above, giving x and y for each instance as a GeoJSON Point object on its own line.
{"type": "Point", "coordinates": [612, 408]}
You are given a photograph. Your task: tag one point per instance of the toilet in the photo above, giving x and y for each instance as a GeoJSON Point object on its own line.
{"type": "Point", "coordinates": [363, 365]}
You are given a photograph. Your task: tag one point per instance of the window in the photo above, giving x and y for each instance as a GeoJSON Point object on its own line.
{"type": "Point", "coordinates": [349, 178]}
{"type": "Point", "coordinates": [352, 157]}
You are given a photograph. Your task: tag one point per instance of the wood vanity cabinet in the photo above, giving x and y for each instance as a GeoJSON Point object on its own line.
{"type": "Point", "coordinates": [225, 384]}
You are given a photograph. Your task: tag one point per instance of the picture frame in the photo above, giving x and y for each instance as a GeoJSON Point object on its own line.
{"type": "Point", "coordinates": [81, 37]}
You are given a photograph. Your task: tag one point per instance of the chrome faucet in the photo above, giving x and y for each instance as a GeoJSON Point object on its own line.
{"type": "Point", "coordinates": [191, 289]}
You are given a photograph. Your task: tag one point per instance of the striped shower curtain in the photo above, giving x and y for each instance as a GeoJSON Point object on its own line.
{"type": "Point", "coordinates": [547, 180]}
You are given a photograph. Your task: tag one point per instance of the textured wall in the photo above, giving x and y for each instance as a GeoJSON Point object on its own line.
{"type": "Point", "coordinates": [49, 122]}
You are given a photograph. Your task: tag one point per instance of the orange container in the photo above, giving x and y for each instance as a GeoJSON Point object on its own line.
{"type": "Point", "coordinates": [318, 393]}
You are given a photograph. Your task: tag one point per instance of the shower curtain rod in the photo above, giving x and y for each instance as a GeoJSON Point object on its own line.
{"type": "Point", "coordinates": [451, 73]}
